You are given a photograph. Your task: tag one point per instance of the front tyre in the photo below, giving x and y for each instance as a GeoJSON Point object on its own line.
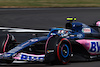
{"type": "Point", "coordinates": [58, 50]}
{"type": "Point", "coordinates": [64, 51]}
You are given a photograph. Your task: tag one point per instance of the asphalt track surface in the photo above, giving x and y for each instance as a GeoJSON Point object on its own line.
{"type": "Point", "coordinates": [45, 18]}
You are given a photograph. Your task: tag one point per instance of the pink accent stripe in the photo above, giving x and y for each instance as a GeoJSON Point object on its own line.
{"type": "Point", "coordinates": [18, 56]}
{"type": "Point", "coordinates": [47, 43]}
{"type": "Point", "coordinates": [1, 53]}
{"type": "Point", "coordinates": [6, 43]}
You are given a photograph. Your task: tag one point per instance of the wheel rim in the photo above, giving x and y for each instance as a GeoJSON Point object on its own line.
{"type": "Point", "coordinates": [65, 51]}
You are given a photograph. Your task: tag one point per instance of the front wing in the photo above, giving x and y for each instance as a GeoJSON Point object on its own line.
{"type": "Point", "coordinates": [15, 52]}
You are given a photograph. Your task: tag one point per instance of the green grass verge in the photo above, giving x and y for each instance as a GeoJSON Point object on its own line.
{"type": "Point", "coordinates": [49, 3]}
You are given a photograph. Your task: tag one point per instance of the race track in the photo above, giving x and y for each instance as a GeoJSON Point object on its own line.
{"type": "Point", "coordinates": [45, 18]}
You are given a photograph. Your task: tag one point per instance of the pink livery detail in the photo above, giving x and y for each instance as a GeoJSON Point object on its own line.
{"type": "Point", "coordinates": [29, 57]}
{"type": "Point", "coordinates": [5, 43]}
{"type": "Point", "coordinates": [47, 43]}
{"type": "Point", "coordinates": [98, 23]}
{"type": "Point", "coordinates": [91, 45]}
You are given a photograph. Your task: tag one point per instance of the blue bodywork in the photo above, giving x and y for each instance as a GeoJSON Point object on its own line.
{"type": "Point", "coordinates": [76, 32]}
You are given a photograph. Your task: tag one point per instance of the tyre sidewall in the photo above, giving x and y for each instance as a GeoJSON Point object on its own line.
{"type": "Point", "coordinates": [63, 43]}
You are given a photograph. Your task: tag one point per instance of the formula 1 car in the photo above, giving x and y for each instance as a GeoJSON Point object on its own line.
{"type": "Point", "coordinates": [77, 40]}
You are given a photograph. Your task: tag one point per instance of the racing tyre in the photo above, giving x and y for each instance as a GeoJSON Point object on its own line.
{"type": "Point", "coordinates": [8, 43]}
{"type": "Point", "coordinates": [57, 50]}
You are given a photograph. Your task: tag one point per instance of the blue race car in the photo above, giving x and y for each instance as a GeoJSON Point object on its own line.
{"type": "Point", "coordinates": [75, 41]}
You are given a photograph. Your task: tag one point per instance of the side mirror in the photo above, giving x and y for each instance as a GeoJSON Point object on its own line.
{"type": "Point", "coordinates": [98, 23]}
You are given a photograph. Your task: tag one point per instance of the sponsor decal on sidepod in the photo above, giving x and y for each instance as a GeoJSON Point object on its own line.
{"type": "Point", "coordinates": [95, 46]}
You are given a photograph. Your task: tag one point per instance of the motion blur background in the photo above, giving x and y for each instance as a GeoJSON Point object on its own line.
{"type": "Point", "coordinates": [46, 14]}
{"type": "Point", "coordinates": [48, 3]}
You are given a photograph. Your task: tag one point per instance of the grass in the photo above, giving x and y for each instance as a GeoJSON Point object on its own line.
{"type": "Point", "coordinates": [48, 3]}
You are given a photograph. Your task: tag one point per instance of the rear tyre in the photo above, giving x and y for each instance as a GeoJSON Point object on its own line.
{"type": "Point", "coordinates": [8, 43]}
{"type": "Point", "coordinates": [58, 50]}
